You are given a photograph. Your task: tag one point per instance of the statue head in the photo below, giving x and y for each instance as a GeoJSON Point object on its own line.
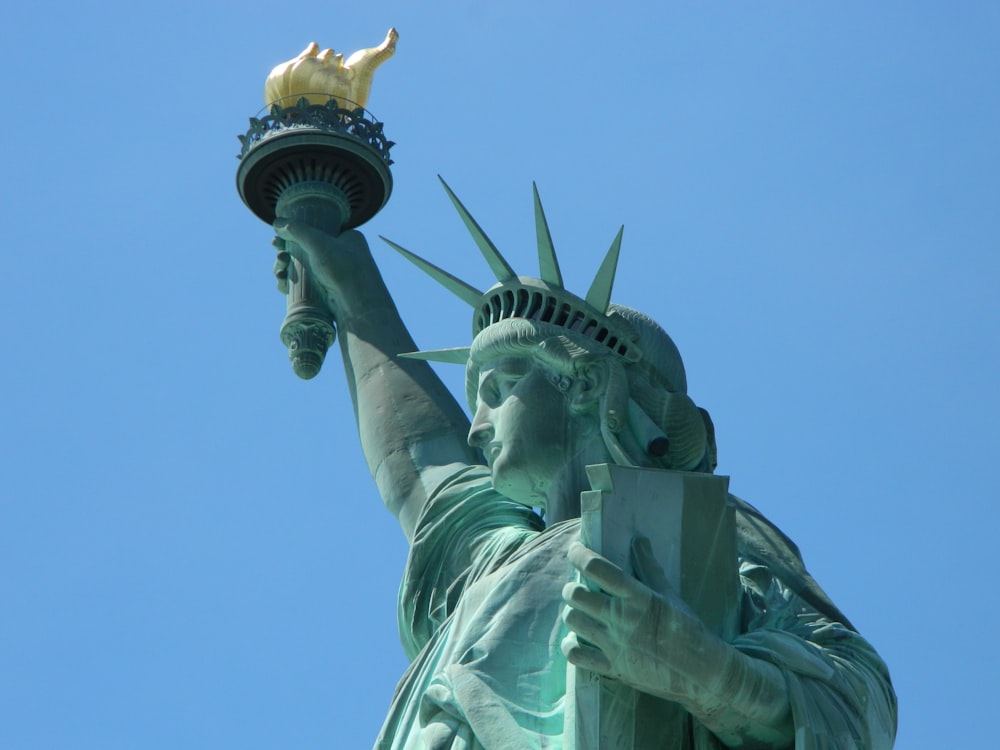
{"type": "Point", "coordinates": [639, 402]}
{"type": "Point", "coordinates": [618, 369]}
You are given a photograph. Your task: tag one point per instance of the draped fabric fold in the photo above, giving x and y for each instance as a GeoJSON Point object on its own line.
{"type": "Point", "coordinates": [479, 616]}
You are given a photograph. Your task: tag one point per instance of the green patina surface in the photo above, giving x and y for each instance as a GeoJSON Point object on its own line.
{"type": "Point", "coordinates": [519, 635]}
{"type": "Point", "coordinates": [578, 578]}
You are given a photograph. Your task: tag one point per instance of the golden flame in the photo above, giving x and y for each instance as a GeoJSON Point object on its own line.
{"type": "Point", "coordinates": [318, 75]}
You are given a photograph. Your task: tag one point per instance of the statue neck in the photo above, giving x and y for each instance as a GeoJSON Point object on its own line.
{"type": "Point", "coordinates": [562, 501]}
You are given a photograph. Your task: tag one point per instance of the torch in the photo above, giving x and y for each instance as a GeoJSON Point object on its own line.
{"type": "Point", "coordinates": [315, 155]}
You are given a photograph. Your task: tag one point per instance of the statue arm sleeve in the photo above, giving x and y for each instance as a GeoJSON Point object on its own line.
{"type": "Point", "coordinates": [409, 423]}
{"type": "Point", "coordinates": [466, 530]}
{"type": "Point", "coordinates": [839, 689]}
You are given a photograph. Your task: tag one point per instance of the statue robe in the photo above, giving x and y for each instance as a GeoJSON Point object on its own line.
{"type": "Point", "coordinates": [479, 617]}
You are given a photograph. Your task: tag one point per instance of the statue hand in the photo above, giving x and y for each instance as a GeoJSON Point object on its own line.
{"type": "Point", "coordinates": [649, 639]}
{"type": "Point", "coordinates": [652, 641]}
{"type": "Point", "coordinates": [338, 265]}
{"type": "Point", "coordinates": [281, 261]}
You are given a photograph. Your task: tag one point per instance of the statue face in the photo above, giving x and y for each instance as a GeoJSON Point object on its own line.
{"type": "Point", "coordinates": [525, 428]}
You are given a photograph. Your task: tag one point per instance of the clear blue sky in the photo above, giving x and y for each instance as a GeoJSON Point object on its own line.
{"type": "Point", "coordinates": [192, 554]}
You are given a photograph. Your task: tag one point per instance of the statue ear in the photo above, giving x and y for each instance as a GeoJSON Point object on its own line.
{"type": "Point", "coordinates": [589, 385]}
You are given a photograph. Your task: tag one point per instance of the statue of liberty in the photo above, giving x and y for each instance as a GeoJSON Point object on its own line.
{"type": "Point", "coordinates": [523, 628]}
{"type": "Point", "coordinates": [499, 596]}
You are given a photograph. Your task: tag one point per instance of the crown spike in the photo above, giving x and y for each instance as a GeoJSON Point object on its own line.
{"type": "Point", "coordinates": [458, 355]}
{"type": "Point", "coordinates": [498, 264]}
{"type": "Point", "coordinates": [456, 286]}
{"type": "Point", "coordinates": [548, 263]}
{"type": "Point", "coordinates": [599, 294]}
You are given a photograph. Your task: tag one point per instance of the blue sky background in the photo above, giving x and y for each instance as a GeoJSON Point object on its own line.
{"type": "Point", "coordinates": [191, 551]}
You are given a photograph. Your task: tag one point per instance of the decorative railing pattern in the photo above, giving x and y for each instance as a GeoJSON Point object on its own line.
{"type": "Point", "coordinates": [330, 117]}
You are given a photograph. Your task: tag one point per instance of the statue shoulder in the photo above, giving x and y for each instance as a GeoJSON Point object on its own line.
{"type": "Point", "coordinates": [761, 541]}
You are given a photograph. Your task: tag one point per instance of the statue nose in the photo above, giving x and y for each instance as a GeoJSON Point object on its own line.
{"type": "Point", "coordinates": [481, 436]}
{"type": "Point", "coordinates": [481, 432]}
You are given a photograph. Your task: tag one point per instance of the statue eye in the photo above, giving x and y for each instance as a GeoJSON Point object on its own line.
{"type": "Point", "coordinates": [497, 387]}
{"type": "Point", "coordinates": [504, 384]}
{"type": "Point", "coordinates": [490, 394]}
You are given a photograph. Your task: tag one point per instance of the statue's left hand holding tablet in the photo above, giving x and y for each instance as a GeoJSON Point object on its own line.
{"type": "Point", "coordinates": [638, 630]}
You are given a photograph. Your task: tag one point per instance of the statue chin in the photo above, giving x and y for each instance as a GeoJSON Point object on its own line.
{"type": "Point", "coordinates": [517, 485]}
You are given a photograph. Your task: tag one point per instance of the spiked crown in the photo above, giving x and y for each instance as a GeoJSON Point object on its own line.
{"type": "Point", "coordinates": [542, 300]}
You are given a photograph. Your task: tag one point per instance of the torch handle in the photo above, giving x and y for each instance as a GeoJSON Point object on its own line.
{"type": "Point", "coordinates": [308, 327]}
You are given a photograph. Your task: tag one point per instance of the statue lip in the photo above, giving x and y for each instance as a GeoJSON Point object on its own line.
{"type": "Point", "coordinates": [490, 452]}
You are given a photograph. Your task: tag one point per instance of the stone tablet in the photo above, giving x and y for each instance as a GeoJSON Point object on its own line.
{"type": "Point", "coordinates": [690, 524]}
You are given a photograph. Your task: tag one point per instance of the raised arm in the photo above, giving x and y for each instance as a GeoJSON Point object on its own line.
{"type": "Point", "coordinates": [409, 423]}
